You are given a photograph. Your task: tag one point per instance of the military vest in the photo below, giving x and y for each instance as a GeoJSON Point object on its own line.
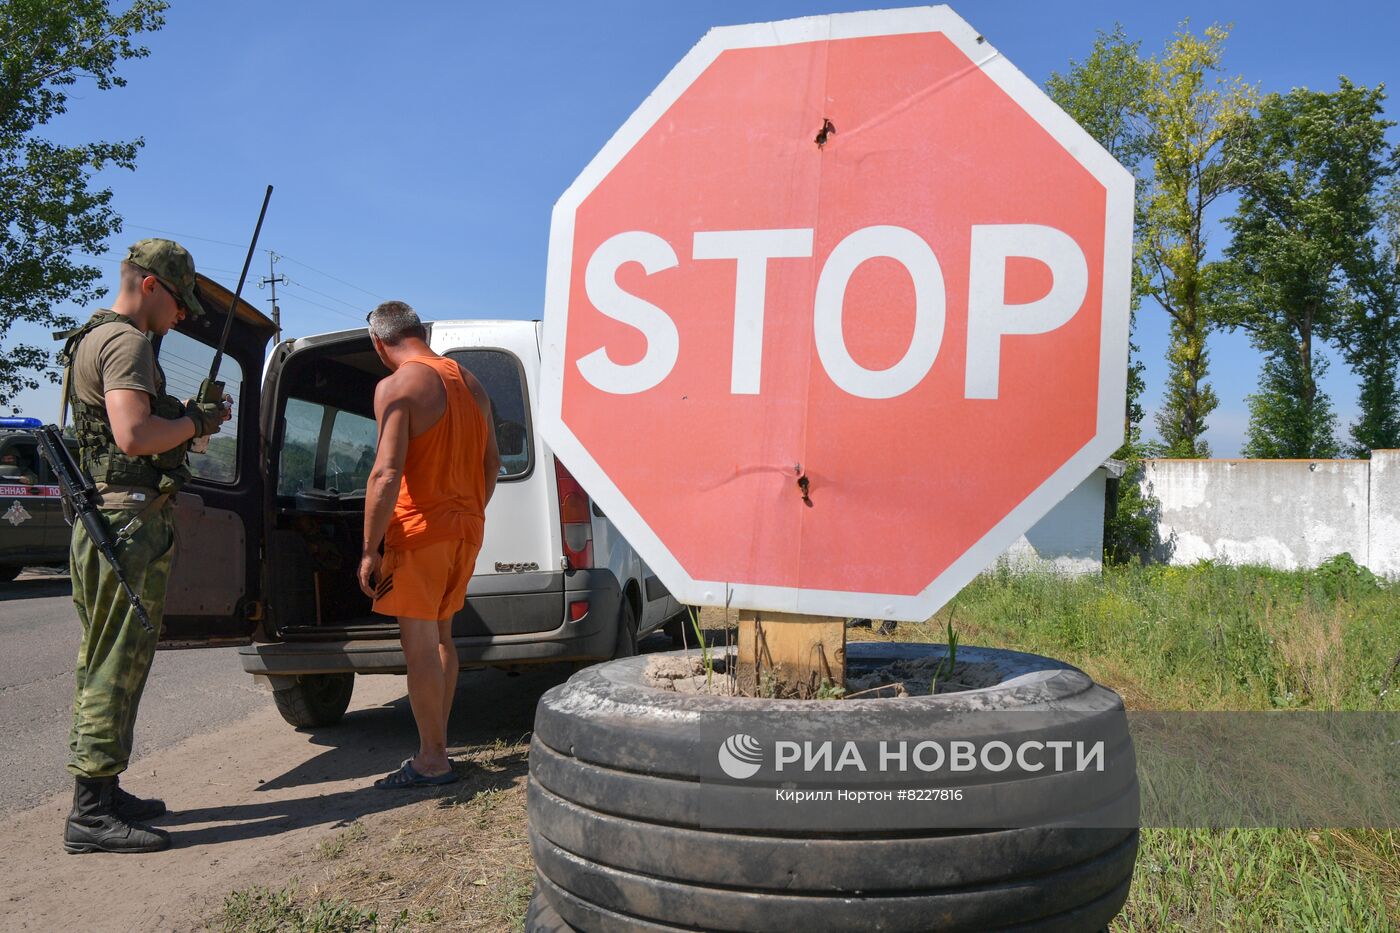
{"type": "Point", "coordinates": [98, 452]}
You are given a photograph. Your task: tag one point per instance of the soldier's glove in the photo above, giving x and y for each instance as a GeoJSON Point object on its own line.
{"type": "Point", "coordinates": [208, 417]}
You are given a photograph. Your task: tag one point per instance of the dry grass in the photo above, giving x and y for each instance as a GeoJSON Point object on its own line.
{"type": "Point", "coordinates": [458, 860]}
{"type": "Point", "coordinates": [1309, 643]}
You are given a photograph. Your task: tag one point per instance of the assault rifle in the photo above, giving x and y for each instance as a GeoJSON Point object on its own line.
{"type": "Point", "coordinates": [80, 494]}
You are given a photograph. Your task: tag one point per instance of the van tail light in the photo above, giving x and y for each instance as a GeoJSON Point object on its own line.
{"type": "Point", "coordinates": [575, 524]}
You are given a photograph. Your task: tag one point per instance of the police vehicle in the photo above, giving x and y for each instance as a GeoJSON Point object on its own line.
{"type": "Point", "coordinates": [32, 530]}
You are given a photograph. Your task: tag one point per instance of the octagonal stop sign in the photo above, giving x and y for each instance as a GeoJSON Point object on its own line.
{"type": "Point", "coordinates": [838, 314]}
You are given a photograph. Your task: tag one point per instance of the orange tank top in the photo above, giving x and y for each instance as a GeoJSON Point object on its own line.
{"type": "Point", "coordinates": [444, 490]}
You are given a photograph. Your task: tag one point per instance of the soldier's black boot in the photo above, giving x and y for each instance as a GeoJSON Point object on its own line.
{"type": "Point", "coordinates": [94, 825]}
{"type": "Point", "coordinates": [135, 809]}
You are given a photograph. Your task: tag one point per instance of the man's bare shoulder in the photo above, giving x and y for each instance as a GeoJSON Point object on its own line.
{"type": "Point", "coordinates": [406, 382]}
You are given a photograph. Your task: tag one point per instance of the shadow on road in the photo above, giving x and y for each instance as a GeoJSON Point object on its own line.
{"type": "Point", "coordinates": [36, 587]}
{"type": "Point", "coordinates": [492, 717]}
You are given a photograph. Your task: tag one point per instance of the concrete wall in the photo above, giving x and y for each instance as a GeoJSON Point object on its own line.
{"type": "Point", "coordinates": [1069, 539]}
{"type": "Point", "coordinates": [1282, 513]}
{"type": "Point", "coordinates": [1384, 556]}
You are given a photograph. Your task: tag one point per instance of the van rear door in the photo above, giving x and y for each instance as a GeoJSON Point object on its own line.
{"type": "Point", "coordinates": [517, 585]}
{"type": "Point", "coordinates": [214, 596]}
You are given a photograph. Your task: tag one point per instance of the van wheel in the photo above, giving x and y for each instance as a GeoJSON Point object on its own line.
{"type": "Point", "coordinates": [626, 644]}
{"type": "Point", "coordinates": [8, 573]}
{"type": "Point", "coordinates": [315, 699]}
{"type": "Point", "coordinates": [678, 629]}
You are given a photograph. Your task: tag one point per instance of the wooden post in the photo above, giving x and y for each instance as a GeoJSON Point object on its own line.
{"type": "Point", "coordinates": [786, 655]}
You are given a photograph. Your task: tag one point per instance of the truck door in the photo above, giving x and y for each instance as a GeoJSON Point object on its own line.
{"type": "Point", "coordinates": [215, 594]}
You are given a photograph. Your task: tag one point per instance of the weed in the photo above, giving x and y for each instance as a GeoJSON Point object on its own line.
{"type": "Point", "coordinates": [335, 847]}
{"type": "Point", "coordinates": [705, 658]}
{"type": "Point", "coordinates": [262, 910]}
{"type": "Point", "coordinates": [948, 664]}
{"type": "Point", "coordinates": [829, 691]}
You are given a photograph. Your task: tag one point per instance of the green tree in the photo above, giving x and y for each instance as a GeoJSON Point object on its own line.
{"type": "Point", "coordinates": [1369, 331]}
{"type": "Point", "coordinates": [1313, 163]}
{"type": "Point", "coordinates": [1289, 418]}
{"type": "Point", "coordinates": [1191, 113]}
{"type": "Point", "coordinates": [1103, 94]}
{"type": "Point", "coordinates": [49, 210]}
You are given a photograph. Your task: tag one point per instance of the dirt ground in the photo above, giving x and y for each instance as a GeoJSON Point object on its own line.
{"type": "Point", "coordinates": [260, 805]}
{"type": "Point", "coordinates": [280, 829]}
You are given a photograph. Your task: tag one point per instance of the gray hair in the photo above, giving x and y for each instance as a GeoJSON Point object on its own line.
{"type": "Point", "coordinates": [392, 321]}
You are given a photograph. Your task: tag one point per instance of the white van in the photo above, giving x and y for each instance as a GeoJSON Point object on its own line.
{"type": "Point", "coordinates": [270, 535]}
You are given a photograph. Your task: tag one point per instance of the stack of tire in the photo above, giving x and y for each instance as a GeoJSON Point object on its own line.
{"type": "Point", "coordinates": [628, 836]}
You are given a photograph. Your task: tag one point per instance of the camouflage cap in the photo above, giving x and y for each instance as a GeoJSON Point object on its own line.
{"type": "Point", "coordinates": [172, 264]}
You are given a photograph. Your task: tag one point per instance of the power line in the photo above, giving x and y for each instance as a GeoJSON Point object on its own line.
{"type": "Point", "coordinates": [356, 318]}
{"type": "Point", "coordinates": [294, 282]}
{"type": "Point", "coordinates": [184, 236]}
{"type": "Point", "coordinates": [333, 278]}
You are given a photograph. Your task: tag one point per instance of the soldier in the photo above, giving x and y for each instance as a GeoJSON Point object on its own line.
{"type": "Point", "coordinates": [16, 469]}
{"type": "Point", "coordinates": [132, 440]}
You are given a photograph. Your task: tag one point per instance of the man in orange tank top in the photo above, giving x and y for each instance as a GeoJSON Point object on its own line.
{"type": "Point", "coordinates": [434, 472]}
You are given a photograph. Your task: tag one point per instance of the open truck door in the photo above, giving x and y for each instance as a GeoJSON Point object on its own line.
{"type": "Point", "coordinates": [215, 593]}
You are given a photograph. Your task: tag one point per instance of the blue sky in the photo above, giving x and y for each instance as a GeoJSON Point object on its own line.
{"type": "Point", "coordinates": [417, 148]}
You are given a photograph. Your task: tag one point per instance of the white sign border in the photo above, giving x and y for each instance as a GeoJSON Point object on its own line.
{"type": "Point", "coordinates": [1113, 349]}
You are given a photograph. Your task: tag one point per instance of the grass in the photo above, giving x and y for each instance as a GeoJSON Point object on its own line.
{"type": "Point", "coordinates": [949, 664]}
{"type": "Point", "coordinates": [1205, 637]}
{"type": "Point", "coordinates": [1263, 880]}
{"type": "Point", "coordinates": [459, 860]}
{"type": "Point", "coordinates": [261, 910]}
{"type": "Point", "coordinates": [1215, 637]}
{"type": "Point", "coordinates": [336, 846]}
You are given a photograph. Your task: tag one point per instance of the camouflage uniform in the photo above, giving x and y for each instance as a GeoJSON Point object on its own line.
{"type": "Point", "coordinates": [115, 654]}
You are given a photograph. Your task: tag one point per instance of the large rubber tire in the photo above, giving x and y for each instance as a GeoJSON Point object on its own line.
{"type": "Point", "coordinates": [626, 644]}
{"type": "Point", "coordinates": [627, 836]}
{"type": "Point", "coordinates": [542, 918]}
{"type": "Point", "coordinates": [315, 699]}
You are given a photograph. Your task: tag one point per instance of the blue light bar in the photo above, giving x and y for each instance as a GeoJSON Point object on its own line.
{"type": "Point", "coordinates": [21, 423]}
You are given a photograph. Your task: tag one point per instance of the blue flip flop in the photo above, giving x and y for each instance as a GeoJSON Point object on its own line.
{"type": "Point", "coordinates": [408, 776]}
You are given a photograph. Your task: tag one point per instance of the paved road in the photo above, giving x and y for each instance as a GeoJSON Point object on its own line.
{"type": "Point", "coordinates": [189, 691]}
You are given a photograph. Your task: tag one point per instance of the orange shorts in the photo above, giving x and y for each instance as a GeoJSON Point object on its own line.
{"type": "Point", "coordinates": [428, 582]}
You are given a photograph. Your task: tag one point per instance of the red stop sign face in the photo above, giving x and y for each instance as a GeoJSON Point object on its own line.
{"type": "Point", "coordinates": [838, 314]}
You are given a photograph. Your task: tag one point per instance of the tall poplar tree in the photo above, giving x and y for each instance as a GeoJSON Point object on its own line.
{"type": "Point", "coordinates": [1369, 330]}
{"type": "Point", "coordinates": [1313, 165]}
{"type": "Point", "coordinates": [1192, 113]}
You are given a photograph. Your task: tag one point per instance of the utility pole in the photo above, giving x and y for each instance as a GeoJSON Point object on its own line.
{"type": "Point", "coordinates": [272, 278]}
